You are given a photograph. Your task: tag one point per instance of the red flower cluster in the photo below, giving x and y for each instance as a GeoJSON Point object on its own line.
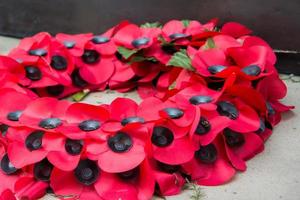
{"type": "Point", "coordinates": [210, 101]}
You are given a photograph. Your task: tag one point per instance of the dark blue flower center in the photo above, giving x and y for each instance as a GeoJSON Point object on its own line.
{"type": "Point", "coordinates": [162, 136]}
{"type": "Point", "coordinates": [252, 70]}
{"type": "Point", "coordinates": [58, 62]}
{"type": "Point", "coordinates": [33, 73]}
{"type": "Point", "coordinates": [87, 172]}
{"type": "Point", "coordinates": [200, 99]}
{"type": "Point", "coordinates": [233, 139]}
{"type": "Point", "coordinates": [129, 175]}
{"type": "Point", "coordinates": [14, 116]}
{"type": "Point", "coordinates": [34, 141]}
{"type": "Point", "coordinates": [176, 36]}
{"type": "Point", "coordinates": [89, 125]}
{"type": "Point", "coordinates": [140, 42]}
{"type": "Point", "coordinates": [174, 113]}
{"type": "Point", "coordinates": [69, 44]}
{"type": "Point", "coordinates": [90, 56]}
{"type": "Point", "coordinates": [129, 120]}
{"type": "Point", "coordinates": [120, 142]}
{"type": "Point", "coordinates": [74, 147]}
{"type": "Point", "coordinates": [227, 109]}
{"type": "Point", "coordinates": [100, 39]}
{"type": "Point", "coordinates": [203, 126]}
{"type": "Point", "coordinates": [214, 69]}
{"type": "Point", "coordinates": [38, 52]}
{"type": "Point", "coordinates": [6, 166]}
{"type": "Point", "coordinates": [207, 154]}
{"type": "Point", "coordinates": [50, 123]}
{"type": "Point", "coordinates": [42, 170]}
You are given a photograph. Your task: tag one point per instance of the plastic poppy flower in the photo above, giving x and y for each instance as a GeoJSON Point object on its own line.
{"type": "Point", "coordinates": [241, 147]}
{"type": "Point", "coordinates": [27, 146]}
{"type": "Point", "coordinates": [119, 151]}
{"type": "Point", "coordinates": [97, 58]}
{"type": "Point", "coordinates": [77, 184]}
{"type": "Point", "coordinates": [135, 184]}
{"type": "Point", "coordinates": [175, 30]}
{"type": "Point", "coordinates": [171, 145]}
{"type": "Point", "coordinates": [273, 89]}
{"type": "Point", "coordinates": [235, 29]}
{"type": "Point", "coordinates": [132, 36]}
{"type": "Point", "coordinates": [27, 187]}
{"type": "Point", "coordinates": [74, 43]}
{"type": "Point", "coordinates": [15, 103]}
{"type": "Point", "coordinates": [42, 56]}
{"type": "Point", "coordinates": [210, 165]}
{"type": "Point", "coordinates": [39, 115]}
{"type": "Point", "coordinates": [79, 124]}
{"type": "Point", "coordinates": [165, 177]}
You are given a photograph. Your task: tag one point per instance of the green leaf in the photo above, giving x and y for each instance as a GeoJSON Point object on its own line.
{"type": "Point", "coordinates": [151, 25]}
{"type": "Point", "coordinates": [181, 59]}
{"type": "Point", "coordinates": [186, 22]}
{"type": "Point", "coordinates": [141, 59]}
{"type": "Point", "coordinates": [209, 44]}
{"type": "Point", "coordinates": [126, 53]}
{"type": "Point", "coordinates": [172, 86]}
{"type": "Point", "coordinates": [80, 95]}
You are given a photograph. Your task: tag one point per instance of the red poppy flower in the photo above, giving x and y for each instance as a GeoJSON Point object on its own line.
{"type": "Point", "coordinates": [175, 30]}
{"type": "Point", "coordinates": [74, 43]}
{"type": "Point", "coordinates": [133, 37]}
{"type": "Point", "coordinates": [44, 114]}
{"type": "Point", "coordinates": [119, 151]}
{"type": "Point", "coordinates": [241, 147]}
{"type": "Point", "coordinates": [79, 124]}
{"type": "Point", "coordinates": [168, 178]}
{"type": "Point", "coordinates": [171, 145]}
{"type": "Point", "coordinates": [41, 56]}
{"type": "Point", "coordinates": [15, 102]}
{"type": "Point", "coordinates": [76, 184]}
{"type": "Point", "coordinates": [210, 165]}
{"type": "Point", "coordinates": [135, 184]}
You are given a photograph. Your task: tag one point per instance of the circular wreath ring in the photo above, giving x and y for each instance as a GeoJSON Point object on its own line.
{"type": "Point", "coordinates": [210, 100]}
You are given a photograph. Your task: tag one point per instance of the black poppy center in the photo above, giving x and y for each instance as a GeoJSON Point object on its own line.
{"type": "Point", "coordinates": [207, 154]}
{"type": "Point", "coordinates": [50, 123]}
{"type": "Point", "coordinates": [120, 142]}
{"type": "Point", "coordinates": [270, 109]}
{"type": "Point", "coordinates": [58, 62]}
{"type": "Point", "coordinates": [252, 70]}
{"type": "Point", "coordinates": [87, 172]}
{"type": "Point", "coordinates": [33, 73]}
{"type": "Point", "coordinates": [74, 147]}
{"type": "Point", "coordinates": [234, 139]}
{"type": "Point", "coordinates": [227, 109]}
{"type": "Point", "coordinates": [214, 69]}
{"type": "Point", "coordinates": [140, 42]}
{"type": "Point", "coordinates": [174, 113]}
{"type": "Point", "coordinates": [89, 125]}
{"type": "Point", "coordinates": [129, 120]}
{"type": "Point", "coordinates": [55, 90]}
{"type": "Point", "coordinates": [200, 99]}
{"type": "Point", "coordinates": [38, 52]}
{"type": "Point", "coordinates": [176, 36]}
{"type": "Point", "coordinates": [6, 165]}
{"type": "Point", "coordinates": [34, 141]}
{"type": "Point", "coordinates": [203, 126]}
{"type": "Point", "coordinates": [168, 168]}
{"type": "Point", "coordinates": [69, 44]}
{"type": "Point", "coordinates": [14, 116]}
{"type": "Point", "coordinates": [42, 170]}
{"type": "Point", "coordinates": [100, 39]}
{"type": "Point", "coordinates": [131, 174]}
{"type": "Point", "coordinates": [90, 56]}
{"type": "Point", "coordinates": [3, 129]}
{"type": "Point", "coordinates": [77, 80]}
{"type": "Point", "coordinates": [162, 136]}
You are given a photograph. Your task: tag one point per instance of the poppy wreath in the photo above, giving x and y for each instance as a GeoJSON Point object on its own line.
{"type": "Point", "coordinates": [210, 99]}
